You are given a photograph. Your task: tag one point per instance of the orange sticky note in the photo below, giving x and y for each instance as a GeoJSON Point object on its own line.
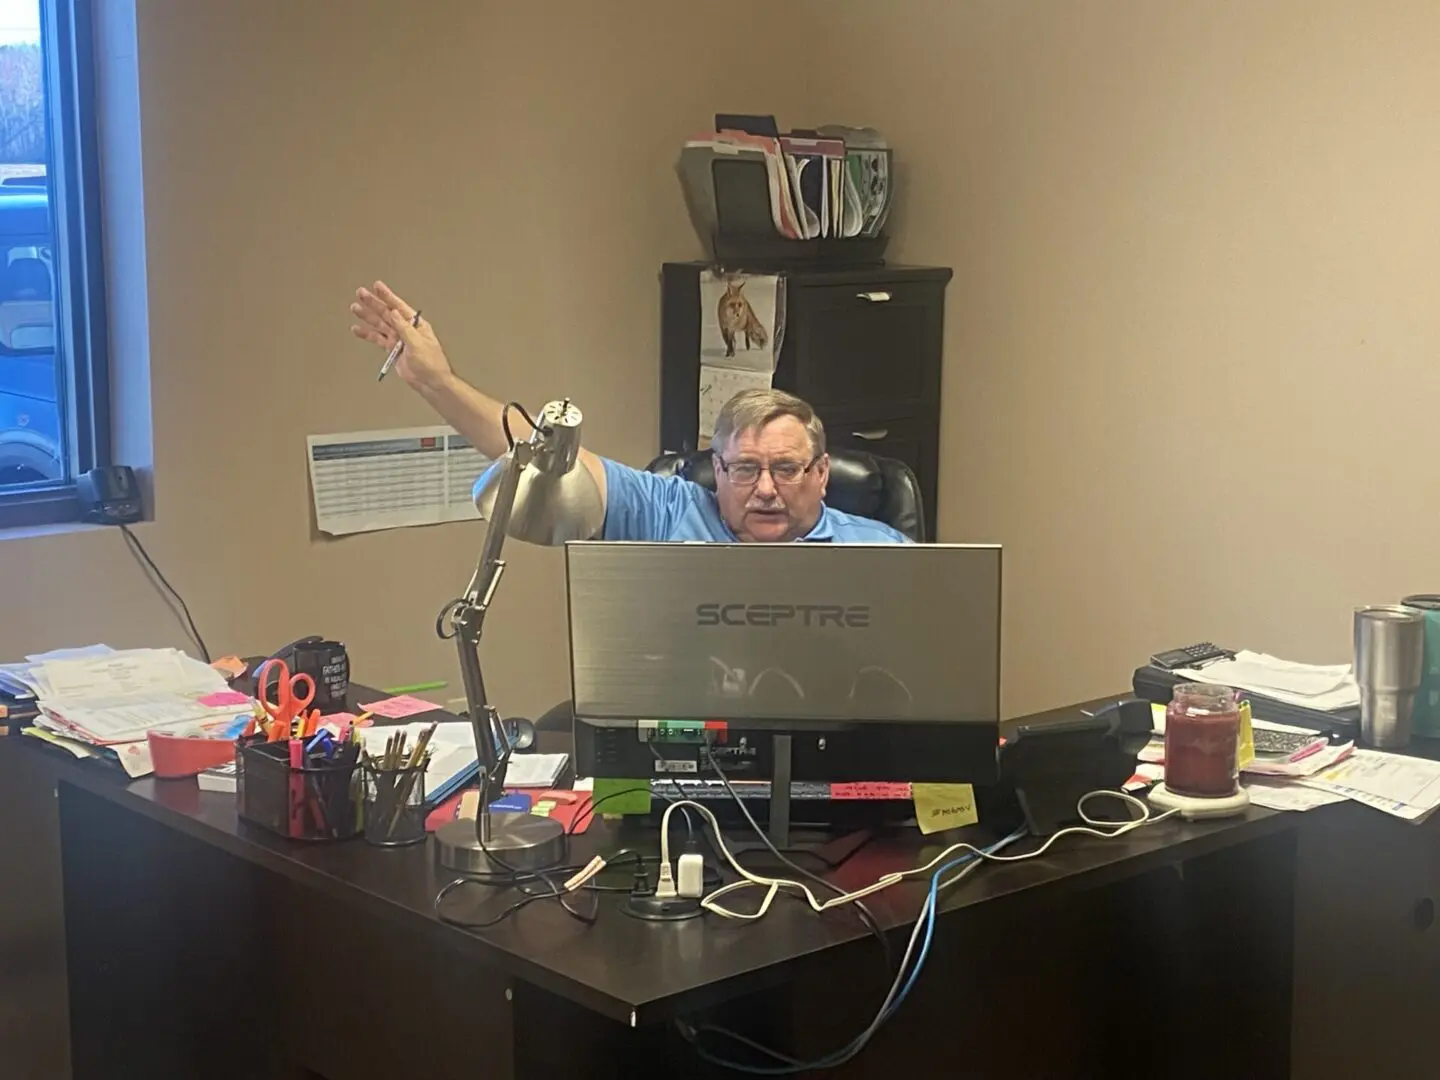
{"type": "Point", "coordinates": [944, 806]}
{"type": "Point", "coordinates": [232, 667]}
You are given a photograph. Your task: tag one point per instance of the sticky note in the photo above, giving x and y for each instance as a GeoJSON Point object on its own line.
{"type": "Point", "coordinates": [221, 698]}
{"type": "Point", "coordinates": [1245, 752]}
{"type": "Point", "coordinates": [869, 791]}
{"type": "Point", "coordinates": [629, 796]}
{"type": "Point", "coordinates": [944, 806]}
{"type": "Point", "coordinates": [232, 667]}
{"type": "Point", "coordinates": [397, 708]}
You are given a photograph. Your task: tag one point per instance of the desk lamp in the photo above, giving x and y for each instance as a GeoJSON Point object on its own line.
{"type": "Point", "coordinates": [541, 494]}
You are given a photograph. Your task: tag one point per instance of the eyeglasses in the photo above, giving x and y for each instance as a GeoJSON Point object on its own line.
{"type": "Point", "coordinates": [747, 473]}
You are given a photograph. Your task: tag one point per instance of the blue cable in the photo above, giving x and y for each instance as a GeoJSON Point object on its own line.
{"type": "Point", "coordinates": [844, 1054]}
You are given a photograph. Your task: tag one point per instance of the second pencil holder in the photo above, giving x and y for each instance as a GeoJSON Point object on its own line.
{"type": "Point", "coordinates": [395, 806]}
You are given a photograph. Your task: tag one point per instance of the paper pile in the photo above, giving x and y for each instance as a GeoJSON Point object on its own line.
{"type": "Point", "coordinates": [1406, 787]}
{"type": "Point", "coordinates": [1326, 687]}
{"type": "Point", "coordinates": [101, 699]}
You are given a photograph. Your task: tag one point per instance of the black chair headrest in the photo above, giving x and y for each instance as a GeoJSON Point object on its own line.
{"type": "Point", "coordinates": [866, 485]}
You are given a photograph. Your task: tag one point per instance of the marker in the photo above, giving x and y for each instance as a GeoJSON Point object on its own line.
{"type": "Point", "coordinates": [395, 352]}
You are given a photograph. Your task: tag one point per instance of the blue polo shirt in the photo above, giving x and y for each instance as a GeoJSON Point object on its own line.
{"type": "Point", "coordinates": [643, 506]}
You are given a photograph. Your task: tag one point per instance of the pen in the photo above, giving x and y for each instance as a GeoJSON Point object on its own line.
{"type": "Point", "coordinates": [395, 352]}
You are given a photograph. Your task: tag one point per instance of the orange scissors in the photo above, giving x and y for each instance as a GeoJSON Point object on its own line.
{"type": "Point", "coordinates": [293, 696]}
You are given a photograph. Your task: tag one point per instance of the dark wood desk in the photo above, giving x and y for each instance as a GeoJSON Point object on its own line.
{"type": "Point", "coordinates": [200, 946]}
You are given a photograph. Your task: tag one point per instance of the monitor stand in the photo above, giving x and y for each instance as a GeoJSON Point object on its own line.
{"type": "Point", "coordinates": [818, 844]}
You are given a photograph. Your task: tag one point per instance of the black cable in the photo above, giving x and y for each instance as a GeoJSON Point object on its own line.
{"type": "Point", "coordinates": [505, 421]}
{"type": "Point", "coordinates": [138, 549]}
{"type": "Point", "coordinates": [589, 809]}
{"type": "Point", "coordinates": [866, 915]}
{"type": "Point", "coordinates": [679, 791]}
{"type": "Point", "coordinates": [527, 897]}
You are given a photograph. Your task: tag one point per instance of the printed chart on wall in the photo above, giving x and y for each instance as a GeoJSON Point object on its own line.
{"type": "Point", "coordinates": [364, 481]}
{"type": "Point", "coordinates": [742, 322]}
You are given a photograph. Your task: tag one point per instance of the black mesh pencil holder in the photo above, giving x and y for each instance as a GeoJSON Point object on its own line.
{"type": "Point", "coordinates": [314, 801]}
{"type": "Point", "coordinates": [395, 806]}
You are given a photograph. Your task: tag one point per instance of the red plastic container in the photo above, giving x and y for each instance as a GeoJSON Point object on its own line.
{"type": "Point", "coordinates": [176, 756]}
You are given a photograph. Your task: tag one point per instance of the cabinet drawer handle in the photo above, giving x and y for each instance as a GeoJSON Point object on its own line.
{"type": "Point", "coordinates": [873, 297]}
{"type": "Point", "coordinates": [874, 434]}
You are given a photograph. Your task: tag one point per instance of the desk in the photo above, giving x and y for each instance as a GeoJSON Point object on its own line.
{"type": "Point", "coordinates": [189, 933]}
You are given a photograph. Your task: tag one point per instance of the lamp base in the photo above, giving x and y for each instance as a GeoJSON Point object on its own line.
{"type": "Point", "coordinates": [517, 841]}
{"type": "Point", "coordinates": [653, 909]}
{"type": "Point", "coordinates": [1192, 808]}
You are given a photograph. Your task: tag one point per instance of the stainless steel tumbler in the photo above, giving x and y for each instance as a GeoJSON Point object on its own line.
{"type": "Point", "coordinates": [1389, 664]}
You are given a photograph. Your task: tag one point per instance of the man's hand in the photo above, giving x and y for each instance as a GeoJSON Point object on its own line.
{"type": "Point", "coordinates": [384, 318]}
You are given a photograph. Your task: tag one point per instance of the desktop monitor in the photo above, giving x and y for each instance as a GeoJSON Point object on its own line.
{"type": "Point", "coordinates": [880, 661]}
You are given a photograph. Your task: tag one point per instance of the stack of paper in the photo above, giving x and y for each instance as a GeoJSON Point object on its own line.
{"type": "Point", "coordinates": [1406, 787]}
{"type": "Point", "coordinates": [104, 698]}
{"type": "Point", "coordinates": [1326, 687]}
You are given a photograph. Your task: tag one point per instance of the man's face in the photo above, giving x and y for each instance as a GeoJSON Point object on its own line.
{"type": "Point", "coordinates": [767, 510]}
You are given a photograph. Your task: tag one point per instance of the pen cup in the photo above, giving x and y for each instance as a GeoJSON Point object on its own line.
{"type": "Point", "coordinates": [312, 801]}
{"type": "Point", "coordinates": [395, 805]}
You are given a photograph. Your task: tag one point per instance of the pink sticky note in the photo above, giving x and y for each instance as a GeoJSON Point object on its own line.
{"type": "Point", "coordinates": [869, 791]}
{"type": "Point", "coordinates": [224, 697]}
{"type": "Point", "coordinates": [397, 708]}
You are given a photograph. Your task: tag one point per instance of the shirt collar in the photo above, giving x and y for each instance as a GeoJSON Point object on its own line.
{"type": "Point", "coordinates": [824, 529]}
{"type": "Point", "coordinates": [822, 532]}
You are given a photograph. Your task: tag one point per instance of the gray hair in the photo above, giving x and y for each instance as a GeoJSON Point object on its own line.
{"type": "Point", "coordinates": [752, 409]}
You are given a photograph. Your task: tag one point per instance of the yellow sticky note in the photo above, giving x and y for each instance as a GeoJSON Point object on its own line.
{"type": "Point", "coordinates": [943, 806]}
{"type": "Point", "coordinates": [1245, 752]}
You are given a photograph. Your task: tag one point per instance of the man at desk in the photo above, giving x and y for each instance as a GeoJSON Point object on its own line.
{"type": "Point", "coordinates": [771, 468]}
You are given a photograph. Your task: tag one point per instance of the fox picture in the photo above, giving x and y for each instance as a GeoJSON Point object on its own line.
{"type": "Point", "coordinates": [737, 318]}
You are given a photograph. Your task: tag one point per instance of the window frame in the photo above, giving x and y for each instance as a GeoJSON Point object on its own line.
{"type": "Point", "coordinates": [73, 190]}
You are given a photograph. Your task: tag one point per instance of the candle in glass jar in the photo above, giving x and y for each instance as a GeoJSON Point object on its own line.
{"type": "Point", "coordinates": [1202, 731]}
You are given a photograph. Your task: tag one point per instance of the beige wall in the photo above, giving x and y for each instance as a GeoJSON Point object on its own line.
{"type": "Point", "coordinates": [1195, 240]}
{"type": "Point", "coordinates": [509, 166]}
{"type": "Point", "coordinates": [1186, 235]}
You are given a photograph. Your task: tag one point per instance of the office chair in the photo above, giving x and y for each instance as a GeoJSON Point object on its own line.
{"type": "Point", "coordinates": [867, 485]}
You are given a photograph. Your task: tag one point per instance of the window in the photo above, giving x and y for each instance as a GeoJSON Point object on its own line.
{"type": "Point", "coordinates": [54, 404]}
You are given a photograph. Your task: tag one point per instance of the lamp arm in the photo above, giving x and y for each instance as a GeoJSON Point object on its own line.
{"type": "Point", "coordinates": [467, 615]}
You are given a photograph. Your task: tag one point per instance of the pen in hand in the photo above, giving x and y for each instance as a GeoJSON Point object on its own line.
{"type": "Point", "coordinates": [395, 352]}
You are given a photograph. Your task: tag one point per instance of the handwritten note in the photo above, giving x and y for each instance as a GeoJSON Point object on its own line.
{"type": "Point", "coordinates": [397, 708]}
{"type": "Point", "coordinates": [944, 806]}
{"type": "Point", "coordinates": [869, 791]}
{"type": "Point", "coordinates": [221, 698]}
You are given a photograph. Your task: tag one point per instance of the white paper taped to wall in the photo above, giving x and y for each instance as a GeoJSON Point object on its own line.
{"type": "Point", "coordinates": [742, 326]}
{"type": "Point", "coordinates": [363, 481]}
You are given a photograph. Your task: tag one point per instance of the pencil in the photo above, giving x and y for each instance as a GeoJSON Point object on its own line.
{"type": "Point", "coordinates": [407, 782]}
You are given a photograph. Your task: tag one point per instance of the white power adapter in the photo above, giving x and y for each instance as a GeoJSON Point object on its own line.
{"type": "Point", "coordinates": [690, 882]}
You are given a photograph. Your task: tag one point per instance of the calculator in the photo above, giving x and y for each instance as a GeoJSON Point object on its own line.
{"type": "Point", "coordinates": [1284, 742]}
{"type": "Point", "coordinates": [1191, 656]}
